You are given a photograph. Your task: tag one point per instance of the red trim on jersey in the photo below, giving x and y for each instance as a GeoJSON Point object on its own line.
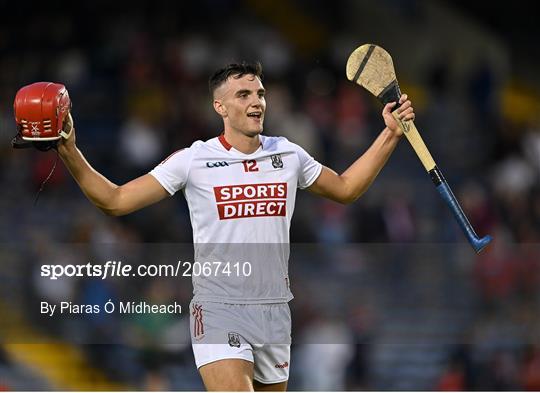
{"type": "Point", "coordinates": [170, 155]}
{"type": "Point", "coordinates": [224, 142]}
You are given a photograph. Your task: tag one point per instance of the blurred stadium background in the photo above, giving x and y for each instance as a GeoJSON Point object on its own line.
{"type": "Point", "coordinates": [392, 294]}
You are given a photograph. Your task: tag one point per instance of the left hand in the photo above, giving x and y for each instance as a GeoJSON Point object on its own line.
{"type": "Point", "coordinates": [405, 112]}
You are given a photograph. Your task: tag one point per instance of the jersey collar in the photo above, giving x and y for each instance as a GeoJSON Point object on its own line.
{"type": "Point", "coordinates": [228, 146]}
{"type": "Point", "coordinates": [224, 142]}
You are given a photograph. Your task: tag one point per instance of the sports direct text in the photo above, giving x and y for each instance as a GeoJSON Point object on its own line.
{"type": "Point", "coordinates": [251, 200]}
{"type": "Point", "coordinates": [120, 269]}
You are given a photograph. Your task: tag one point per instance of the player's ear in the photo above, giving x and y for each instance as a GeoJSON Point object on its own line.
{"type": "Point", "coordinates": [220, 108]}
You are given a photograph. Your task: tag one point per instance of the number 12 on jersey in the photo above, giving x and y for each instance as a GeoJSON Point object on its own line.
{"type": "Point", "coordinates": [250, 166]}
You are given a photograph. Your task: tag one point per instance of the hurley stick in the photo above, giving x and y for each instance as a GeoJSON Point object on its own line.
{"type": "Point", "coordinates": [371, 67]}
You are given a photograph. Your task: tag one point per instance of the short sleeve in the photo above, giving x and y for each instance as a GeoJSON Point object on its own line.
{"type": "Point", "coordinates": [309, 170]}
{"type": "Point", "coordinates": [172, 173]}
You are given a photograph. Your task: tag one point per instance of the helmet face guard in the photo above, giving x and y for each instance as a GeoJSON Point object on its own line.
{"type": "Point", "coordinates": [19, 143]}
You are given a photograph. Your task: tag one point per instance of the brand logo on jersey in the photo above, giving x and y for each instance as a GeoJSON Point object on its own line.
{"type": "Point", "coordinates": [217, 164]}
{"type": "Point", "coordinates": [251, 200]}
{"type": "Point", "coordinates": [276, 161]}
{"type": "Point", "coordinates": [282, 365]}
{"type": "Point", "coordinates": [234, 339]}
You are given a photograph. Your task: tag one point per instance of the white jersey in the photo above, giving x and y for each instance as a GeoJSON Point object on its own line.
{"type": "Point", "coordinates": [241, 207]}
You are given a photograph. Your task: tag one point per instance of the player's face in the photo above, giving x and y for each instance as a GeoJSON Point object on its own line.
{"type": "Point", "coordinates": [242, 104]}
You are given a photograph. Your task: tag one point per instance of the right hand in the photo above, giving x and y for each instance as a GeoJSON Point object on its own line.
{"type": "Point", "coordinates": [65, 145]}
{"type": "Point", "coordinates": [405, 113]}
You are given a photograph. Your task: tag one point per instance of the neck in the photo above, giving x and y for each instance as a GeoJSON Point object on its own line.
{"type": "Point", "coordinates": [241, 142]}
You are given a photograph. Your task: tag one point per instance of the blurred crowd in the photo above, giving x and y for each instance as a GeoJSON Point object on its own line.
{"type": "Point", "coordinates": [137, 79]}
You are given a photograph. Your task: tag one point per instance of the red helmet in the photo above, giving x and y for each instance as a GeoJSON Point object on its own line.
{"type": "Point", "coordinates": [40, 110]}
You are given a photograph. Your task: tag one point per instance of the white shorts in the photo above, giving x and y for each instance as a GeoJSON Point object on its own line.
{"type": "Point", "coordinates": [258, 333]}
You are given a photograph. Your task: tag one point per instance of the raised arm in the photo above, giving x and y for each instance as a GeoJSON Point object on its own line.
{"type": "Point", "coordinates": [352, 183]}
{"type": "Point", "coordinates": [110, 198]}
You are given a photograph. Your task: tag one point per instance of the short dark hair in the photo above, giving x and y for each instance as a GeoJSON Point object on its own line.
{"type": "Point", "coordinates": [236, 70]}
